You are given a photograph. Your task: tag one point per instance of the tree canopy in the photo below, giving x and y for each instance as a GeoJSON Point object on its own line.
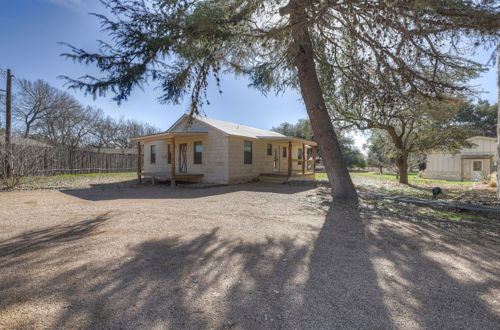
{"type": "Point", "coordinates": [309, 45]}
{"type": "Point", "coordinates": [480, 117]}
{"type": "Point", "coordinates": [351, 155]}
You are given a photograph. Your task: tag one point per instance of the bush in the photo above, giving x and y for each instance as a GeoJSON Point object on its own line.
{"type": "Point", "coordinates": [493, 180]}
{"type": "Point", "coordinates": [22, 163]}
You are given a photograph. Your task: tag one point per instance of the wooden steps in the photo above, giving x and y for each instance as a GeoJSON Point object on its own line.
{"type": "Point", "coordinates": [274, 178]}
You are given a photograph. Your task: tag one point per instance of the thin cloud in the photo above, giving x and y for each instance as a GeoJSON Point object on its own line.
{"type": "Point", "coordinates": [76, 5]}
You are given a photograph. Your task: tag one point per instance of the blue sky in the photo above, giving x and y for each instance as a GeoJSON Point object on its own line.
{"type": "Point", "coordinates": [31, 30]}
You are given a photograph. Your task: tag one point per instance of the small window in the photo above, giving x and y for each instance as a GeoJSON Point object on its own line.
{"type": "Point", "coordinates": [299, 156]}
{"type": "Point", "coordinates": [169, 154]}
{"type": "Point", "coordinates": [283, 152]}
{"type": "Point", "coordinates": [477, 165]}
{"type": "Point", "coordinates": [247, 152]}
{"type": "Point", "coordinates": [153, 154]}
{"type": "Point", "coordinates": [198, 150]}
{"type": "Point", "coordinates": [269, 149]}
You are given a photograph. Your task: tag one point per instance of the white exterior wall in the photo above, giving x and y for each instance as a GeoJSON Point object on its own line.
{"type": "Point", "coordinates": [261, 162]}
{"type": "Point", "coordinates": [443, 167]}
{"type": "Point", "coordinates": [482, 146]}
{"type": "Point", "coordinates": [223, 154]}
{"type": "Point", "coordinates": [215, 163]}
{"type": "Point", "coordinates": [161, 156]}
{"type": "Point", "coordinates": [454, 167]}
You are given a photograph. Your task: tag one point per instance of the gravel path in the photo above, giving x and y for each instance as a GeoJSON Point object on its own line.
{"type": "Point", "coordinates": [253, 256]}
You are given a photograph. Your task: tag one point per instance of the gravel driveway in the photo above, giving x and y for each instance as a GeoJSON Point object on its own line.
{"type": "Point", "coordinates": [253, 256]}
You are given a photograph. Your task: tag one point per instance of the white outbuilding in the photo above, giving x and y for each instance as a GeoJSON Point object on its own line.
{"type": "Point", "coordinates": [470, 164]}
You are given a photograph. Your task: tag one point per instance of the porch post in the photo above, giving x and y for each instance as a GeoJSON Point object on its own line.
{"type": "Point", "coordinates": [139, 161]}
{"type": "Point", "coordinates": [314, 159]}
{"type": "Point", "coordinates": [461, 169]}
{"type": "Point", "coordinates": [289, 159]}
{"type": "Point", "coordinates": [172, 164]}
{"type": "Point", "coordinates": [303, 159]}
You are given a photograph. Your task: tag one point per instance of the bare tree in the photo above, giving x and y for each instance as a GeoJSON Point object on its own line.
{"type": "Point", "coordinates": [23, 164]}
{"type": "Point", "coordinates": [69, 125]}
{"type": "Point", "coordinates": [34, 101]}
{"type": "Point", "coordinates": [104, 130]}
{"type": "Point", "coordinates": [128, 129]}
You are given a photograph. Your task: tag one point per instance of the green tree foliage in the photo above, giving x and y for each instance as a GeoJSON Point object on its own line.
{"type": "Point", "coordinates": [380, 150]}
{"type": "Point", "coordinates": [411, 128]}
{"type": "Point", "coordinates": [280, 44]}
{"type": "Point", "coordinates": [480, 117]}
{"type": "Point", "coordinates": [302, 129]}
{"type": "Point", "coordinates": [351, 155]}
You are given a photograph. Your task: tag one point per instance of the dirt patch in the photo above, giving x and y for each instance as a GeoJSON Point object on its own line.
{"type": "Point", "coordinates": [242, 257]}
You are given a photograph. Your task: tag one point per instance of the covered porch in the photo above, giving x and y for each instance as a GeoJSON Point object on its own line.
{"type": "Point", "coordinates": [173, 160]}
{"type": "Point", "coordinates": [301, 157]}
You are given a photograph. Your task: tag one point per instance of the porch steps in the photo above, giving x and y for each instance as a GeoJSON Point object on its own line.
{"type": "Point", "coordinates": [274, 178]}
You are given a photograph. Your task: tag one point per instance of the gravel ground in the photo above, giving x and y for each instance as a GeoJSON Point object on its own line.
{"type": "Point", "coordinates": [252, 256]}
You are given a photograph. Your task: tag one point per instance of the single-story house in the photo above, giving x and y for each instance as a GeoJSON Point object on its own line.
{"type": "Point", "coordinates": [470, 164]}
{"type": "Point", "coordinates": [213, 151]}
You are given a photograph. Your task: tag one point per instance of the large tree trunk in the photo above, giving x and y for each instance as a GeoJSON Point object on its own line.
{"type": "Point", "coordinates": [324, 134]}
{"type": "Point", "coordinates": [402, 164]}
{"type": "Point", "coordinates": [498, 126]}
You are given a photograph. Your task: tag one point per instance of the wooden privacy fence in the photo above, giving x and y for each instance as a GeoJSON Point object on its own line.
{"type": "Point", "coordinates": [45, 161]}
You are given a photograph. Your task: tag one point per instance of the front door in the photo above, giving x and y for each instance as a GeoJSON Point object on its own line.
{"type": "Point", "coordinates": [276, 159]}
{"type": "Point", "coordinates": [182, 158]}
{"type": "Point", "coordinates": [477, 170]}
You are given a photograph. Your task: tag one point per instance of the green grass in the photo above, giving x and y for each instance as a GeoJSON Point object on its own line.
{"type": "Point", "coordinates": [90, 174]}
{"type": "Point", "coordinates": [454, 216]}
{"type": "Point", "coordinates": [413, 177]}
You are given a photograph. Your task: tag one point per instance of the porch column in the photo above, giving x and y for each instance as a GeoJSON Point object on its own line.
{"type": "Point", "coordinates": [314, 159]}
{"type": "Point", "coordinates": [289, 158]}
{"type": "Point", "coordinates": [304, 158]}
{"type": "Point", "coordinates": [139, 161]}
{"type": "Point", "coordinates": [172, 164]}
{"type": "Point", "coordinates": [461, 169]}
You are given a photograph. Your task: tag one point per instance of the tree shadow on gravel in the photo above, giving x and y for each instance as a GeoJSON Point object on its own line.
{"type": "Point", "coordinates": [113, 191]}
{"type": "Point", "coordinates": [435, 274]}
{"type": "Point", "coordinates": [335, 279]}
{"type": "Point", "coordinates": [39, 240]}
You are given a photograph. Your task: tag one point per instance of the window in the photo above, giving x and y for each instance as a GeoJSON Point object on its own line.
{"type": "Point", "coordinates": [477, 165]}
{"type": "Point", "coordinates": [299, 156]}
{"type": "Point", "coordinates": [198, 149]}
{"type": "Point", "coordinates": [269, 149]}
{"type": "Point", "coordinates": [169, 155]}
{"type": "Point", "coordinates": [153, 154]}
{"type": "Point", "coordinates": [283, 152]}
{"type": "Point", "coordinates": [247, 152]}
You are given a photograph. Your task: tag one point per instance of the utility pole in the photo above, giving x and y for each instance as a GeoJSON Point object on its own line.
{"type": "Point", "coordinates": [8, 121]}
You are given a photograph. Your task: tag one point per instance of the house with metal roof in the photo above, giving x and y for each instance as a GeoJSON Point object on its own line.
{"type": "Point", "coordinates": [213, 151]}
{"type": "Point", "coordinates": [470, 164]}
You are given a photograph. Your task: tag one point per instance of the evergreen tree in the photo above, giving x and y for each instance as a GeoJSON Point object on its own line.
{"type": "Point", "coordinates": [297, 43]}
{"type": "Point", "coordinates": [480, 117]}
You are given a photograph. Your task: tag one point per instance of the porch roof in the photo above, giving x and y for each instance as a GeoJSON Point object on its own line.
{"type": "Point", "coordinates": [288, 138]}
{"type": "Point", "coordinates": [168, 135]}
{"type": "Point", "coordinates": [477, 156]}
